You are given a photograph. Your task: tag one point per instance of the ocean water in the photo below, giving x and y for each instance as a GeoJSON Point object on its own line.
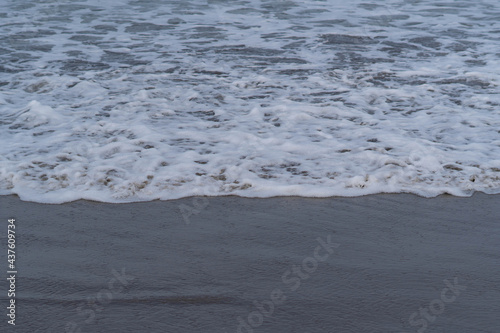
{"type": "Point", "coordinates": [123, 101]}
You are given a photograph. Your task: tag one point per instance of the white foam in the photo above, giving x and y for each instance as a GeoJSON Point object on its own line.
{"type": "Point", "coordinates": [123, 102]}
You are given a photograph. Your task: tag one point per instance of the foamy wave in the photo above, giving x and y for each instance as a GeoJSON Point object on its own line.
{"type": "Point", "coordinates": [136, 102]}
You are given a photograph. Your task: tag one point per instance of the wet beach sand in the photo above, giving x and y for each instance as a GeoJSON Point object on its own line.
{"type": "Point", "coordinates": [378, 263]}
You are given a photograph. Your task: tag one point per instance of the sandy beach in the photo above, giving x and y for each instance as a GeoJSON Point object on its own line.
{"type": "Point", "coordinates": [380, 263]}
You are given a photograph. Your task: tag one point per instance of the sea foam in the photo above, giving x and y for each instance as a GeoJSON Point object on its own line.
{"type": "Point", "coordinates": [133, 101]}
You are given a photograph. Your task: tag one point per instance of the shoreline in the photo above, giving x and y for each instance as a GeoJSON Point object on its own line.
{"type": "Point", "coordinates": [237, 195]}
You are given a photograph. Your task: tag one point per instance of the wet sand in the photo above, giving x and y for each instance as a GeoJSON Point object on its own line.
{"type": "Point", "coordinates": [379, 263]}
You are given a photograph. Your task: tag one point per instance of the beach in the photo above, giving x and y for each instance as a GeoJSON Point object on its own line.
{"type": "Point", "coordinates": [250, 166]}
{"type": "Point", "coordinates": [377, 263]}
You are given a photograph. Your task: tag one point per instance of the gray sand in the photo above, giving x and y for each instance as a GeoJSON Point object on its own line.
{"type": "Point", "coordinates": [396, 263]}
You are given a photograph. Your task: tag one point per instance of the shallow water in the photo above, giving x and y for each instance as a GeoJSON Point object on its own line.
{"type": "Point", "coordinates": [134, 100]}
